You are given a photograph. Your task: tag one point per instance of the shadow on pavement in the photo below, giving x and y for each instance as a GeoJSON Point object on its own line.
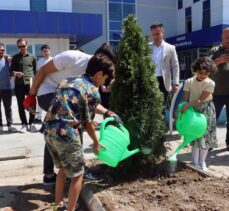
{"type": "Point", "coordinates": [27, 197]}
{"type": "Point", "coordinates": [31, 197]}
{"type": "Point", "coordinates": [8, 132]}
{"type": "Point", "coordinates": [174, 137]}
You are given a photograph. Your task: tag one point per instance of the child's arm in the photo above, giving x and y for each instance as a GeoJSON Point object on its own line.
{"type": "Point", "coordinates": [197, 102]}
{"type": "Point", "coordinates": [91, 132]}
{"type": "Point", "coordinates": [100, 109]}
{"type": "Point", "coordinates": [185, 95]}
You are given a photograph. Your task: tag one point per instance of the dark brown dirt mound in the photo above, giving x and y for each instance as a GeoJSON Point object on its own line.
{"type": "Point", "coordinates": [159, 189]}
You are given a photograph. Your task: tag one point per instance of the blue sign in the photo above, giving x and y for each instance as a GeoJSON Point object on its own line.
{"type": "Point", "coordinates": [85, 27]}
{"type": "Point", "coordinates": [204, 37]}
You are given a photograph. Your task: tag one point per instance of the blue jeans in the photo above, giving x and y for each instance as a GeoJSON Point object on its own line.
{"type": "Point", "coordinates": [219, 102]}
{"type": "Point", "coordinates": [6, 98]}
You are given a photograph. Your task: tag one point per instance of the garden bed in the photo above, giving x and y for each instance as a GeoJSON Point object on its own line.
{"type": "Point", "coordinates": [160, 189]}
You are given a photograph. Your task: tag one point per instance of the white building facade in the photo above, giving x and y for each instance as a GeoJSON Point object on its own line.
{"type": "Point", "coordinates": [51, 22]}
{"type": "Point", "coordinates": [192, 25]}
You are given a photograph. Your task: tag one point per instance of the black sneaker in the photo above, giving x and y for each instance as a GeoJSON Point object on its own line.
{"type": "Point", "coordinates": [89, 177]}
{"type": "Point", "coordinates": [49, 180]}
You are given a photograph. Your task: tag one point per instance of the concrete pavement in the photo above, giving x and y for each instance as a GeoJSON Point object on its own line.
{"type": "Point", "coordinates": [217, 159]}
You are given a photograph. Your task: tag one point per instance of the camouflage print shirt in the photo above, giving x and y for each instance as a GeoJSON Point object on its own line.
{"type": "Point", "coordinates": [73, 105]}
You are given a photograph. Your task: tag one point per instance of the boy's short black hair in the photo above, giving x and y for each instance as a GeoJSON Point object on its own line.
{"type": "Point", "coordinates": [204, 63]}
{"type": "Point", "coordinates": [45, 47]}
{"type": "Point", "coordinates": [107, 49]}
{"type": "Point", "coordinates": [156, 25]}
{"type": "Point", "coordinates": [100, 62]}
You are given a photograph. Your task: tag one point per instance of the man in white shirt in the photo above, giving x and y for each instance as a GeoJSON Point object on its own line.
{"type": "Point", "coordinates": [165, 58]}
{"type": "Point", "coordinates": [63, 65]}
{"type": "Point", "coordinates": [46, 52]}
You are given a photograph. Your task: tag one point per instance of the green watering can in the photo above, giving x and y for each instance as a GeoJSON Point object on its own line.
{"type": "Point", "coordinates": [191, 125]}
{"type": "Point", "coordinates": [116, 140]}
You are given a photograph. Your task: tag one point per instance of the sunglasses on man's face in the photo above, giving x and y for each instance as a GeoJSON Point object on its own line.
{"type": "Point", "coordinates": [21, 46]}
{"type": "Point", "coordinates": [1, 50]}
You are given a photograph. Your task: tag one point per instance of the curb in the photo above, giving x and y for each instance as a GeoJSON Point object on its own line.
{"type": "Point", "coordinates": [91, 201]}
{"type": "Point", "coordinates": [203, 173]}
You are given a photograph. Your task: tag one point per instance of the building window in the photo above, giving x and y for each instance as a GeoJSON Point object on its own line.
{"type": "Point", "coordinates": [129, 1]}
{"type": "Point", "coordinates": [34, 49]}
{"type": "Point", "coordinates": [115, 11]}
{"type": "Point", "coordinates": [37, 50]}
{"type": "Point", "coordinates": [12, 49]}
{"type": "Point", "coordinates": [194, 1]}
{"type": "Point", "coordinates": [38, 5]}
{"type": "Point", "coordinates": [128, 9]}
{"type": "Point", "coordinates": [114, 44]}
{"type": "Point", "coordinates": [115, 25]}
{"type": "Point", "coordinates": [118, 10]}
{"type": "Point", "coordinates": [180, 4]}
{"type": "Point", "coordinates": [115, 35]}
{"type": "Point", "coordinates": [188, 20]}
{"type": "Point", "coordinates": [206, 14]}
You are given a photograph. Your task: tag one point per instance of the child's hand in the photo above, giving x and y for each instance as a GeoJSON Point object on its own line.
{"type": "Point", "coordinates": [175, 117]}
{"type": "Point", "coordinates": [30, 103]}
{"type": "Point", "coordinates": [95, 124]}
{"type": "Point", "coordinates": [97, 147]}
{"type": "Point", "coordinates": [185, 107]}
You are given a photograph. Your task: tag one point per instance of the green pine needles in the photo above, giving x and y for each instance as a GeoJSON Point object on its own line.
{"type": "Point", "coordinates": [135, 94]}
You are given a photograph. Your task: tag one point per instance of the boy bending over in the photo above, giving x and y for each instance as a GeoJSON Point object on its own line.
{"type": "Point", "coordinates": [75, 103]}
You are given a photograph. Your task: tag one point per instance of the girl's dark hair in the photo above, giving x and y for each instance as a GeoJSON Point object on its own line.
{"type": "Point", "coordinates": [100, 62]}
{"type": "Point", "coordinates": [204, 63]}
{"type": "Point", "coordinates": [107, 49]}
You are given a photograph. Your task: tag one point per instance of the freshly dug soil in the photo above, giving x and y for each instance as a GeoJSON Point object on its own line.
{"type": "Point", "coordinates": [160, 189]}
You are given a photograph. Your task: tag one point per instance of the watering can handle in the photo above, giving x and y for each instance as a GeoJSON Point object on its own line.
{"type": "Point", "coordinates": [180, 106]}
{"type": "Point", "coordinates": [103, 124]}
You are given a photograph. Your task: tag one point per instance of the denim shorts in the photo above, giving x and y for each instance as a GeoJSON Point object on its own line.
{"type": "Point", "coordinates": [67, 155]}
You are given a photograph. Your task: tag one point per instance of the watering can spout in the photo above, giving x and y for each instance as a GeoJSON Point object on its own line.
{"type": "Point", "coordinates": [128, 153]}
{"type": "Point", "coordinates": [189, 139]}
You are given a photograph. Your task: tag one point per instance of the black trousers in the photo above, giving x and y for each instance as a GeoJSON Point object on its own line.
{"type": "Point", "coordinates": [21, 91]}
{"type": "Point", "coordinates": [219, 101]}
{"type": "Point", "coordinates": [6, 99]}
{"type": "Point", "coordinates": [162, 88]}
{"type": "Point", "coordinates": [44, 102]}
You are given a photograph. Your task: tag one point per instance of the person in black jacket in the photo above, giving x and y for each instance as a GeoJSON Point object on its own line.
{"type": "Point", "coordinates": [23, 67]}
